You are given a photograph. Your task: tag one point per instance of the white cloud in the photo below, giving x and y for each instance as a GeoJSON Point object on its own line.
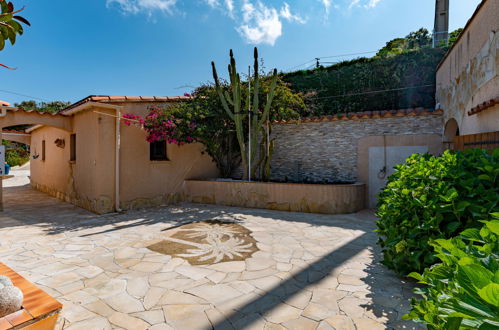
{"type": "Point", "coordinates": [365, 4]}
{"type": "Point", "coordinates": [327, 5]}
{"type": "Point", "coordinates": [255, 21]}
{"type": "Point", "coordinates": [148, 6]}
{"type": "Point", "coordinates": [260, 24]}
{"type": "Point", "coordinates": [229, 4]}
{"type": "Point", "coordinates": [212, 3]}
{"type": "Point", "coordinates": [286, 14]}
{"type": "Point", "coordinates": [372, 3]}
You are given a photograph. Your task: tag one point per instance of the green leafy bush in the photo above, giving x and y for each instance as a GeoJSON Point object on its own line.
{"type": "Point", "coordinates": [432, 197]}
{"type": "Point", "coordinates": [461, 292]}
{"type": "Point", "coordinates": [16, 156]}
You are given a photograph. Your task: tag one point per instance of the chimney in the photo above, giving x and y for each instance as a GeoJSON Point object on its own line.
{"type": "Point", "coordinates": [441, 29]}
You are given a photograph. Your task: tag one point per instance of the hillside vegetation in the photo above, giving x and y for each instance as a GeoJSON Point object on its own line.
{"type": "Point", "coordinates": [400, 76]}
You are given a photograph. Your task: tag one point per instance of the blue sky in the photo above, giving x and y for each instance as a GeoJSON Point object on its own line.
{"type": "Point", "coordinates": [164, 47]}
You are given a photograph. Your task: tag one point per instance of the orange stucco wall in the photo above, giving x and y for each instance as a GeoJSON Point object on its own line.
{"type": "Point", "coordinates": [145, 182]}
{"type": "Point", "coordinates": [469, 74]}
{"type": "Point", "coordinates": [53, 172]}
{"type": "Point", "coordinates": [89, 182]}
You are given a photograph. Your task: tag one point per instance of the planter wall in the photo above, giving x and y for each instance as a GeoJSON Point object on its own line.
{"type": "Point", "coordinates": [39, 310]}
{"type": "Point", "coordinates": [310, 198]}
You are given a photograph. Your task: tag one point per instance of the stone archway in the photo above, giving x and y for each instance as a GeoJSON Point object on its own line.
{"type": "Point", "coordinates": [451, 130]}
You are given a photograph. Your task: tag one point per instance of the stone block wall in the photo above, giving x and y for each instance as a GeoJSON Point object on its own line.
{"type": "Point", "coordinates": [326, 151]}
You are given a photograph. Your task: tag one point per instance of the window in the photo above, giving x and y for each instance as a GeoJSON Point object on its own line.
{"type": "Point", "coordinates": [43, 150]}
{"type": "Point", "coordinates": [72, 147]}
{"type": "Point", "coordinates": [157, 150]}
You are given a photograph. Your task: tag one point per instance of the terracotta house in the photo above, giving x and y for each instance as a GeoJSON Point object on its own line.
{"type": "Point", "coordinates": [86, 156]}
{"type": "Point", "coordinates": [468, 80]}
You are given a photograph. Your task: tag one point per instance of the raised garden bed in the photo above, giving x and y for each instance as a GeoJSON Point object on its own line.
{"type": "Point", "coordinates": [39, 310]}
{"type": "Point", "coordinates": [310, 198]}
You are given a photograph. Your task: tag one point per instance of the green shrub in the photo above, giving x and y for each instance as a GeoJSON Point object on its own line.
{"type": "Point", "coordinates": [16, 156]}
{"type": "Point", "coordinates": [432, 197]}
{"type": "Point", "coordinates": [461, 292]}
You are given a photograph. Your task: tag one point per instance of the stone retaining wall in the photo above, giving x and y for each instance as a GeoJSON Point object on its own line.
{"type": "Point", "coordinates": [327, 150]}
{"type": "Point", "coordinates": [311, 198]}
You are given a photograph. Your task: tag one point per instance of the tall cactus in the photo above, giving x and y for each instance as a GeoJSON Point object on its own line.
{"type": "Point", "coordinates": [233, 106]}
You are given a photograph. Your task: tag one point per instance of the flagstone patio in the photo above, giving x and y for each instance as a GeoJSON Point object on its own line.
{"type": "Point", "coordinates": [310, 271]}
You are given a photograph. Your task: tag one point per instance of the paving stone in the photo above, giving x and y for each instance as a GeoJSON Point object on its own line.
{"type": "Point", "coordinates": [124, 253]}
{"type": "Point", "coordinates": [282, 313]}
{"type": "Point", "coordinates": [137, 286]}
{"type": "Point", "coordinates": [152, 297]}
{"type": "Point", "coordinates": [101, 308]}
{"type": "Point", "coordinates": [180, 298]}
{"type": "Point", "coordinates": [74, 313]}
{"type": "Point", "coordinates": [89, 271]}
{"type": "Point", "coordinates": [147, 266]}
{"type": "Point", "coordinates": [242, 286]}
{"type": "Point", "coordinates": [93, 323]}
{"type": "Point", "coordinates": [299, 300]}
{"type": "Point", "coordinates": [108, 289]}
{"type": "Point", "coordinates": [301, 323]}
{"type": "Point", "coordinates": [215, 294]}
{"type": "Point", "coordinates": [161, 326]}
{"type": "Point", "coordinates": [71, 287]}
{"type": "Point", "coordinates": [216, 277]}
{"type": "Point", "coordinates": [128, 322]}
{"type": "Point", "coordinates": [350, 280]}
{"type": "Point", "coordinates": [284, 267]}
{"type": "Point", "coordinates": [253, 321]}
{"type": "Point", "coordinates": [161, 277]}
{"type": "Point", "coordinates": [325, 326]}
{"type": "Point", "coordinates": [187, 316]}
{"type": "Point", "coordinates": [259, 263]}
{"type": "Point", "coordinates": [124, 303]}
{"type": "Point", "coordinates": [196, 273]}
{"type": "Point", "coordinates": [172, 265]}
{"type": "Point", "coordinates": [340, 322]}
{"type": "Point", "coordinates": [367, 324]}
{"type": "Point", "coordinates": [217, 318]}
{"type": "Point", "coordinates": [229, 267]}
{"type": "Point", "coordinates": [151, 317]}
{"type": "Point", "coordinates": [318, 312]}
{"type": "Point", "coordinates": [353, 307]}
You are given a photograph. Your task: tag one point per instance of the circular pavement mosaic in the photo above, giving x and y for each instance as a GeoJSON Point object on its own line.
{"type": "Point", "coordinates": [208, 242]}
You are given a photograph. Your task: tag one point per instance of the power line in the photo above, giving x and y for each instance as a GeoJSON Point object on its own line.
{"type": "Point", "coordinates": [331, 56]}
{"type": "Point", "coordinates": [25, 95]}
{"type": "Point", "coordinates": [373, 92]}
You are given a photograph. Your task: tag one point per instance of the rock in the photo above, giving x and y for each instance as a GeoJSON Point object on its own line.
{"type": "Point", "coordinates": [11, 300]}
{"type": "Point", "coordinates": [5, 281]}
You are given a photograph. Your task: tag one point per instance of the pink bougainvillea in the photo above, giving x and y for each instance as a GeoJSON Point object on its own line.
{"type": "Point", "coordinates": [161, 125]}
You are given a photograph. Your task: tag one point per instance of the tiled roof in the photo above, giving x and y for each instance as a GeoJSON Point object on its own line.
{"type": "Point", "coordinates": [124, 99]}
{"type": "Point", "coordinates": [484, 106]}
{"type": "Point", "coordinates": [7, 131]}
{"type": "Point", "coordinates": [4, 104]}
{"type": "Point", "coordinates": [37, 112]}
{"type": "Point", "coordinates": [366, 115]}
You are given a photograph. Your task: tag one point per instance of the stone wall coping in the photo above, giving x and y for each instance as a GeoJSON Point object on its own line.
{"type": "Point", "coordinates": [279, 183]}
{"type": "Point", "coordinates": [365, 115]}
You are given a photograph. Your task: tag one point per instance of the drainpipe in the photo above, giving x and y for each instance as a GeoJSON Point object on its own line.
{"type": "Point", "coordinates": [117, 162]}
{"type": "Point", "coordinates": [117, 150]}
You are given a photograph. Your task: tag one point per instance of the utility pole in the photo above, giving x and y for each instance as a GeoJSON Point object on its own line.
{"type": "Point", "coordinates": [318, 64]}
{"type": "Point", "coordinates": [441, 28]}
